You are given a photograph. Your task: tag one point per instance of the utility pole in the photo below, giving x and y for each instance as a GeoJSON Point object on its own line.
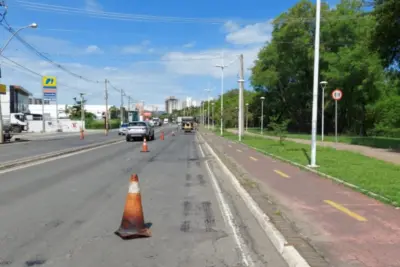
{"type": "Point", "coordinates": [106, 98]}
{"type": "Point", "coordinates": [241, 89]}
{"type": "Point", "coordinates": [82, 112]}
{"type": "Point", "coordinates": [222, 66]}
{"type": "Point", "coordinates": [122, 106]}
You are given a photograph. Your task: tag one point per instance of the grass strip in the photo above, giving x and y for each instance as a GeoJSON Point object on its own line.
{"type": "Point", "coordinates": [376, 142]}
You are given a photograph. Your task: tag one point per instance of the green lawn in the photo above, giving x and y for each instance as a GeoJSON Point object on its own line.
{"type": "Point", "coordinates": [370, 174]}
{"type": "Point", "coordinates": [377, 142]}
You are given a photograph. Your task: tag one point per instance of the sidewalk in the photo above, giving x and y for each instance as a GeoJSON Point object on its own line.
{"type": "Point", "coordinates": [347, 228]}
{"type": "Point", "coordinates": [378, 153]}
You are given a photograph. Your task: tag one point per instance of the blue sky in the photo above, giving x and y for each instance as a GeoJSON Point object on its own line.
{"type": "Point", "coordinates": [134, 45]}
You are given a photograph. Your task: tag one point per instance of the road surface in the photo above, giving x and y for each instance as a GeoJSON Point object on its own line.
{"type": "Point", "coordinates": [64, 212]}
{"type": "Point", "coordinates": [52, 143]}
{"type": "Point", "coordinates": [346, 227]}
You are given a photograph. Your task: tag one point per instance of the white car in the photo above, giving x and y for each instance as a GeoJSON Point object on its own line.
{"type": "Point", "coordinates": [123, 129]}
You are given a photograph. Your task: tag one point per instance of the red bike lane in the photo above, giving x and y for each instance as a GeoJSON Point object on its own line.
{"type": "Point", "coordinates": [349, 228]}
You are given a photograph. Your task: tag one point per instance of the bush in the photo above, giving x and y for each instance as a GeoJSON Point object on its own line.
{"type": "Point", "coordinates": [385, 132]}
{"type": "Point", "coordinates": [279, 128]}
{"type": "Point", "coordinates": [99, 124]}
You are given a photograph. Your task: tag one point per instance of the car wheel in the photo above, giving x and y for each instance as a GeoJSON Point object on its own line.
{"type": "Point", "coordinates": [153, 137]}
{"type": "Point", "coordinates": [128, 139]}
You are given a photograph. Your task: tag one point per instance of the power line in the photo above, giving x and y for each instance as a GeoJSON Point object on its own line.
{"type": "Point", "coordinates": [151, 18]}
{"type": "Point", "coordinates": [114, 15]}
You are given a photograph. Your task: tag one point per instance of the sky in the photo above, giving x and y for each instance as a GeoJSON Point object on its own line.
{"type": "Point", "coordinates": [149, 49]}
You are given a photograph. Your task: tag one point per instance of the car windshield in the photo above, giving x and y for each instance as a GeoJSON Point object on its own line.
{"type": "Point", "coordinates": [137, 123]}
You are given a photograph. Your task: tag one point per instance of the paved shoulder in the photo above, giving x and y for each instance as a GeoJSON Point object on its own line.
{"type": "Point", "coordinates": [349, 228]}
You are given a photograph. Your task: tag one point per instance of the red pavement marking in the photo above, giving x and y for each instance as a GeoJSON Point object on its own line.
{"type": "Point", "coordinates": [343, 240]}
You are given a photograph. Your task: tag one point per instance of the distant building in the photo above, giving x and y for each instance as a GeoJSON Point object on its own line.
{"type": "Point", "coordinates": [171, 104]}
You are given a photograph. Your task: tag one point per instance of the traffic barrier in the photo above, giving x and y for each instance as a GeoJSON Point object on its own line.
{"type": "Point", "coordinates": [144, 146]}
{"type": "Point", "coordinates": [132, 224]}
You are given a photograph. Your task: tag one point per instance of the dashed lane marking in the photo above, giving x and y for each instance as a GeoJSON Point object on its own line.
{"type": "Point", "coordinates": [282, 174]}
{"type": "Point", "coordinates": [345, 210]}
{"type": "Point", "coordinates": [253, 158]}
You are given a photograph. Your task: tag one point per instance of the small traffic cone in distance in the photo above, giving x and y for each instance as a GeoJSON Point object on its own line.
{"type": "Point", "coordinates": [132, 224]}
{"type": "Point", "coordinates": [144, 146]}
{"type": "Point", "coordinates": [162, 135]}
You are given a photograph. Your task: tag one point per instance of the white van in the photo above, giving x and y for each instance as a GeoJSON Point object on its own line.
{"type": "Point", "coordinates": [166, 121]}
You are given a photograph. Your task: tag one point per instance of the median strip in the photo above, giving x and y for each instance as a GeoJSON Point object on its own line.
{"type": "Point", "coordinates": [23, 161]}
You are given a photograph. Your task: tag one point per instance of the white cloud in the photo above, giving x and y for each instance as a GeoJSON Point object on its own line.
{"type": "Point", "coordinates": [141, 48]}
{"type": "Point", "coordinates": [258, 33]}
{"type": "Point", "coordinates": [93, 49]}
{"type": "Point", "coordinates": [93, 5]}
{"type": "Point", "coordinates": [189, 45]}
{"type": "Point", "coordinates": [203, 63]}
{"type": "Point", "coordinates": [132, 49]}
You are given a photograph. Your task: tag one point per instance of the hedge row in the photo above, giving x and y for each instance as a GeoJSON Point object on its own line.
{"type": "Point", "coordinates": [99, 124]}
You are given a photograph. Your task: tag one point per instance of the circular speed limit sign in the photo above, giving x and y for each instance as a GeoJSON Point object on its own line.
{"type": "Point", "coordinates": [337, 94]}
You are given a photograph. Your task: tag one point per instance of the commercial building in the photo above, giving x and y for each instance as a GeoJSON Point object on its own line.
{"type": "Point", "coordinates": [15, 100]}
{"type": "Point", "coordinates": [171, 104]}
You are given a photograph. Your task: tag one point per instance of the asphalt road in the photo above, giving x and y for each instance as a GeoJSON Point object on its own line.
{"type": "Point", "coordinates": [24, 149]}
{"type": "Point", "coordinates": [64, 212]}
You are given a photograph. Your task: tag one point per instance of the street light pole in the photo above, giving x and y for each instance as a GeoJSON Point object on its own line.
{"type": "Point", "coordinates": [222, 66]}
{"type": "Point", "coordinates": [33, 26]}
{"type": "Point", "coordinates": [247, 117]}
{"type": "Point", "coordinates": [82, 112]}
{"type": "Point", "coordinates": [323, 85]}
{"type": "Point", "coordinates": [213, 120]}
{"type": "Point", "coordinates": [315, 88]}
{"type": "Point", "coordinates": [262, 114]}
{"type": "Point", "coordinates": [208, 108]}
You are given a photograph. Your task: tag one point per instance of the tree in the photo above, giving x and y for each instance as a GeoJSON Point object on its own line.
{"type": "Point", "coordinates": [387, 34]}
{"type": "Point", "coordinates": [283, 71]}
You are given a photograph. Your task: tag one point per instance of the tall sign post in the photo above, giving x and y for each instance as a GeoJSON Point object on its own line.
{"type": "Point", "coordinates": [49, 84]}
{"type": "Point", "coordinates": [336, 95]}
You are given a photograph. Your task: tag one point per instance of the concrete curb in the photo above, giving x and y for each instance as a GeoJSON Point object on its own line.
{"type": "Point", "coordinates": [288, 252]}
{"type": "Point", "coordinates": [24, 161]}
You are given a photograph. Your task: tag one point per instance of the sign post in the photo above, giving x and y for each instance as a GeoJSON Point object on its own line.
{"type": "Point", "coordinates": [336, 95]}
{"type": "Point", "coordinates": [49, 84]}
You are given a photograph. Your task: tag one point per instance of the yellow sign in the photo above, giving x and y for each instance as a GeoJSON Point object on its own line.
{"type": "Point", "coordinates": [49, 82]}
{"type": "Point", "coordinates": [3, 89]}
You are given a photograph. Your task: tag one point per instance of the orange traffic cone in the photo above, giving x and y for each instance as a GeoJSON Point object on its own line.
{"type": "Point", "coordinates": [144, 146]}
{"type": "Point", "coordinates": [162, 135]}
{"type": "Point", "coordinates": [132, 224]}
{"type": "Point", "coordinates": [82, 135]}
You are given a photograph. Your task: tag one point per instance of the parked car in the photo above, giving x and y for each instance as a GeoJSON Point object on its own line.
{"type": "Point", "coordinates": [139, 130]}
{"type": "Point", "coordinates": [123, 129]}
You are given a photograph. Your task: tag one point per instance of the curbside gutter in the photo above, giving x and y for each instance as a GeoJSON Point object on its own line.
{"type": "Point", "coordinates": [24, 161]}
{"type": "Point", "coordinates": [287, 251]}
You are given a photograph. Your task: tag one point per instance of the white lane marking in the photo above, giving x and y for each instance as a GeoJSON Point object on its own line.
{"type": "Point", "coordinates": [288, 252]}
{"type": "Point", "coordinates": [228, 217]}
{"type": "Point", "coordinates": [55, 158]}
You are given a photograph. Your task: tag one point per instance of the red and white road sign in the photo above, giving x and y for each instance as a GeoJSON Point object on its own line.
{"type": "Point", "coordinates": [337, 94]}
